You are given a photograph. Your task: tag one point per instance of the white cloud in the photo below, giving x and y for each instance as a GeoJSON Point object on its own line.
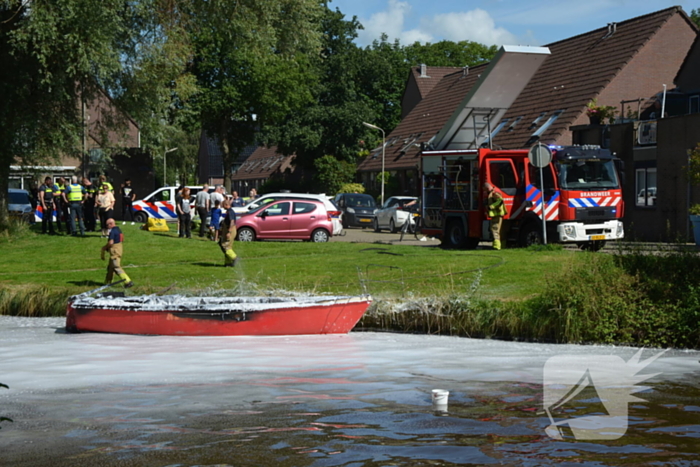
{"type": "Point", "coordinates": [415, 35]}
{"type": "Point", "coordinates": [390, 22]}
{"type": "Point", "coordinates": [475, 25]}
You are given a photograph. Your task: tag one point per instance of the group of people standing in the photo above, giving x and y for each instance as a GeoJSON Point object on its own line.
{"type": "Point", "coordinates": [216, 214]}
{"type": "Point", "coordinates": [81, 204]}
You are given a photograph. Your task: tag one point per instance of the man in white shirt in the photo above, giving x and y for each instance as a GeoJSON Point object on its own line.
{"type": "Point", "coordinates": [217, 194]}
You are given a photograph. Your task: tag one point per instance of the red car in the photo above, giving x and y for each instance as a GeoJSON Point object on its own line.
{"type": "Point", "coordinates": [286, 220]}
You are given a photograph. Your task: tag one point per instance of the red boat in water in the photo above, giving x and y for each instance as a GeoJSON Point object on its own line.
{"type": "Point", "coordinates": [176, 315]}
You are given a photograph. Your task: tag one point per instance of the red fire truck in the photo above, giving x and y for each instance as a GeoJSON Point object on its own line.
{"type": "Point", "coordinates": [582, 196]}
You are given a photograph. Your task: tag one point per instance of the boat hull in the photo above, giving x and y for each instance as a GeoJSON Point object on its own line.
{"type": "Point", "coordinates": [336, 316]}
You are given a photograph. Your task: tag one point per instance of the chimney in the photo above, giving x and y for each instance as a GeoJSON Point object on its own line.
{"type": "Point", "coordinates": [424, 71]}
{"type": "Point", "coordinates": [612, 27]}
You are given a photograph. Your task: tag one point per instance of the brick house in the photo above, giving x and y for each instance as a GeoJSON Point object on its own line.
{"type": "Point", "coordinates": [123, 145]}
{"type": "Point", "coordinates": [655, 149]}
{"type": "Point", "coordinates": [262, 165]}
{"type": "Point", "coordinates": [421, 80]}
{"type": "Point", "coordinates": [612, 64]}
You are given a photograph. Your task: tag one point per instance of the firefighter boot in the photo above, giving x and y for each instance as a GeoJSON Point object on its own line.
{"type": "Point", "coordinates": [126, 279]}
{"type": "Point", "coordinates": [230, 259]}
{"type": "Point", "coordinates": [496, 244]}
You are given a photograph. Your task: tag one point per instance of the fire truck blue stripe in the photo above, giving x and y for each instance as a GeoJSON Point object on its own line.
{"type": "Point", "coordinates": [583, 203]}
{"type": "Point", "coordinates": [535, 194]}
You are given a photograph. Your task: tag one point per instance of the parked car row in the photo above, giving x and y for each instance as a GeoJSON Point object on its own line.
{"type": "Point", "coordinates": [300, 216]}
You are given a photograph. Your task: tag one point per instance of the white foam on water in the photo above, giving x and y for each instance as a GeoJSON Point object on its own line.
{"type": "Point", "coordinates": [36, 355]}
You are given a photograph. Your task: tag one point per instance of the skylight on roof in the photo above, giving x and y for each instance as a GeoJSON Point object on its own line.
{"type": "Point", "coordinates": [534, 123]}
{"type": "Point", "coordinates": [552, 118]}
{"type": "Point", "coordinates": [496, 130]}
{"type": "Point", "coordinates": [515, 122]}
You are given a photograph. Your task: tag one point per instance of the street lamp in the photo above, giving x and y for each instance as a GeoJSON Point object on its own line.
{"type": "Point", "coordinates": [375, 127]}
{"type": "Point", "coordinates": [164, 165]}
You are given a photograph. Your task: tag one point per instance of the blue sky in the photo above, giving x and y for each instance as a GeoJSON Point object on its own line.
{"type": "Point", "coordinates": [510, 22]}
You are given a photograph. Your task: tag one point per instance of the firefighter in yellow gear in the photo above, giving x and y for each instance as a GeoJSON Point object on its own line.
{"type": "Point", "coordinates": [496, 209]}
{"type": "Point", "coordinates": [227, 233]}
{"type": "Point", "coordinates": [114, 246]}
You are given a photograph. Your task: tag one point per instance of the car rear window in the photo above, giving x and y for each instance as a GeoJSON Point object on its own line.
{"type": "Point", "coordinates": [19, 198]}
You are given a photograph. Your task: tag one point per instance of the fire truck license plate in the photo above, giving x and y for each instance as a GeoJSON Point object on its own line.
{"type": "Point", "coordinates": [597, 237]}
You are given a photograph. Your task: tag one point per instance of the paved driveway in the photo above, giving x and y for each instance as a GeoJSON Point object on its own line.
{"type": "Point", "coordinates": [358, 235]}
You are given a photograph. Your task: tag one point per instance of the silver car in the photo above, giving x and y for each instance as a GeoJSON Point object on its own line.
{"type": "Point", "coordinates": [20, 206]}
{"type": "Point", "coordinates": [392, 214]}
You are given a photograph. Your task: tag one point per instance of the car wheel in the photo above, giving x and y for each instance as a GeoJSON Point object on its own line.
{"type": "Point", "coordinates": [141, 217]}
{"type": "Point", "coordinates": [531, 235]}
{"type": "Point", "coordinates": [376, 225]}
{"type": "Point", "coordinates": [319, 236]}
{"type": "Point", "coordinates": [392, 226]}
{"type": "Point", "coordinates": [246, 234]}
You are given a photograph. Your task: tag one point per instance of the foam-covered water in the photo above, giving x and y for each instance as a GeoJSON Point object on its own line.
{"type": "Point", "coordinates": [102, 399]}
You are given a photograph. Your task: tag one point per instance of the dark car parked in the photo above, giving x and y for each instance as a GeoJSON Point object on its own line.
{"type": "Point", "coordinates": [358, 209]}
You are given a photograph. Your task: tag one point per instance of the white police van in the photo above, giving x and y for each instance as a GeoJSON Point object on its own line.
{"type": "Point", "coordinates": [161, 204]}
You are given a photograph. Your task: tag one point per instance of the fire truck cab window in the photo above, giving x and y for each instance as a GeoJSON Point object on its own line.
{"type": "Point", "coordinates": [534, 174]}
{"type": "Point", "coordinates": [502, 175]}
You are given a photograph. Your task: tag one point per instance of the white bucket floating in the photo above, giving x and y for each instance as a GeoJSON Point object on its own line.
{"type": "Point", "coordinates": [440, 397]}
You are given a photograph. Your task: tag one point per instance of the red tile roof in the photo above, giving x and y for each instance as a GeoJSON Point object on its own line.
{"type": "Point", "coordinates": [577, 71]}
{"type": "Point", "coordinates": [424, 122]}
{"type": "Point", "coordinates": [434, 76]}
{"type": "Point", "coordinates": [263, 163]}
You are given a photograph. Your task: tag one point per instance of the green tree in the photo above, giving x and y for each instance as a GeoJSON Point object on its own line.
{"type": "Point", "coordinates": [55, 55]}
{"type": "Point", "coordinates": [251, 59]}
{"type": "Point", "coordinates": [157, 88]}
{"type": "Point", "coordinates": [448, 53]}
{"type": "Point", "coordinates": [330, 124]}
{"type": "Point", "coordinates": [695, 16]}
{"type": "Point", "coordinates": [383, 80]}
{"type": "Point", "coordinates": [332, 173]}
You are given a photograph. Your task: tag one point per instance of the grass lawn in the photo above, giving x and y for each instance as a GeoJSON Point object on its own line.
{"type": "Point", "coordinates": [156, 261]}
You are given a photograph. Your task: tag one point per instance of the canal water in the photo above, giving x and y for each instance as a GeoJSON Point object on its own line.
{"type": "Point", "coordinates": [350, 400]}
